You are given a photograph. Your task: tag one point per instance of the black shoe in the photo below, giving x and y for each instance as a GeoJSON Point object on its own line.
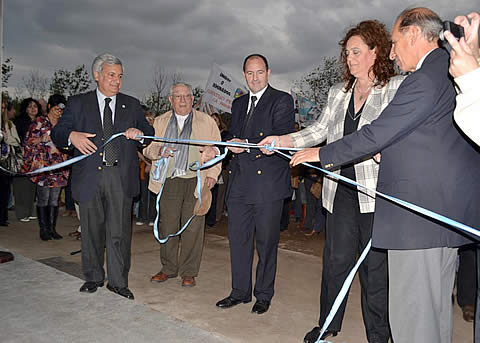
{"type": "Point", "coordinates": [124, 292]}
{"type": "Point", "coordinates": [230, 302]}
{"type": "Point", "coordinates": [312, 336]}
{"type": "Point", "coordinates": [261, 306]}
{"type": "Point", "coordinates": [91, 286]}
{"type": "Point", "coordinates": [329, 333]}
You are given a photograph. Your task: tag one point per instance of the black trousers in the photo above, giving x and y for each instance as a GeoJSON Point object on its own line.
{"type": "Point", "coordinates": [106, 222]}
{"type": "Point", "coordinates": [24, 191]}
{"type": "Point", "coordinates": [467, 275]}
{"type": "Point", "coordinates": [246, 222]}
{"type": "Point", "coordinates": [148, 200]}
{"type": "Point", "coordinates": [69, 202]}
{"type": "Point", "coordinates": [5, 182]}
{"type": "Point", "coordinates": [348, 232]}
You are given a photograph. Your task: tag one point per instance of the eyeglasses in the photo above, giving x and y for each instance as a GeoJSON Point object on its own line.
{"type": "Point", "coordinates": [185, 97]}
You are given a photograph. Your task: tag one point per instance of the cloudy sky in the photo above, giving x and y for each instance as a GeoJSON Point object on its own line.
{"type": "Point", "coordinates": [187, 36]}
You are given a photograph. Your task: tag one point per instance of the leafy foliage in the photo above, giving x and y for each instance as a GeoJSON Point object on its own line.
{"type": "Point", "coordinates": [69, 83]}
{"type": "Point", "coordinates": [315, 84]}
{"type": "Point", "coordinates": [7, 69]}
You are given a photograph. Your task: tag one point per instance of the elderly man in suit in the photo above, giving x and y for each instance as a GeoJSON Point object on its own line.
{"type": "Point", "coordinates": [425, 161]}
{"type": "Point", "coordinates": [257, 186]}
{"type": "Point", "coordinates": [104, 183]}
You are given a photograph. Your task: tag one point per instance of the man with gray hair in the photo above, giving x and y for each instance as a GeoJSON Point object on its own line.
{"type": "Point", "coordinates": [105, 183]}
{"type": "Point", "coordinates": [178, 199]}
{"type": "Point", "coordinates": [425, 161]}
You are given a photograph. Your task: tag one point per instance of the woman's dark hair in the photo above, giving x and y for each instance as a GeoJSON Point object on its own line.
{"type": "Point", "coordinates": [54, 100]}
{"type": "Point", "coordinates": [24, 105]}
{"type": "Point", "coordinates": [374, 35]}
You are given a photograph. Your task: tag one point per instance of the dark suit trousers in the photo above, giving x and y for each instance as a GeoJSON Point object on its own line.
{"type": "Point", "coordinates": [106, 221]}
{"type": "Point", "coordinates": [24, 191]}
{"type": "Point", "coordinates": [348, 232]}
{"type": "Point", "coordinates": [246, 222]}
{"type": "Point", "coordinates": [467, 275]}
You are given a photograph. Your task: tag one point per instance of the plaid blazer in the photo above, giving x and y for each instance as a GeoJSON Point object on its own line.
{"type": "Point", "coordinates": [330, 126]}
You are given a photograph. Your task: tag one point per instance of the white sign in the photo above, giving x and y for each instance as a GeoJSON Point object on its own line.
{"type": "Point", "coordinates": [221, 89]}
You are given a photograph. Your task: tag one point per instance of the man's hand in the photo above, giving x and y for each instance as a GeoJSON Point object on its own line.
{"type": "Point", "coordinates": [284, 141]}
{"type": "Point", "coordinates": [207, 152]}
{"type": "Point", "coordinates": [234, 149]}
{"type": "Point", "coordinates": [132, 133]}
{"type": "Point", "coordinates": [81, 141]}
{"type": "Point", "coordinates": [462, 60]}
{"type": "Point", "coordinates": [465, 52]}
{"type": "Point", "coordinates": [471, 31]}
{"type": "Point", "coordinates": [210, 182]}
{"type": "Point", "coordinates": [305, 155]}
{"type": "Point", "coordinates": [168, 152]}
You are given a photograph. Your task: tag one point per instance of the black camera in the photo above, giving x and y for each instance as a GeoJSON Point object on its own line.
{"type": "Point", "coordinates": [456, 30]}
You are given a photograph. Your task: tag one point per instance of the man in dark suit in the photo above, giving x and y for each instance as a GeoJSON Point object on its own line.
{"type": "Point", "coordinates": [425, 161]}
{"type": "Point", "coordinates": [257, 186]}
{"type": "Point", "coordinates": [104, 183]}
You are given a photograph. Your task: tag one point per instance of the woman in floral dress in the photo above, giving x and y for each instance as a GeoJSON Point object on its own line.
{"type": "Point", "coordinates": [39, 151]}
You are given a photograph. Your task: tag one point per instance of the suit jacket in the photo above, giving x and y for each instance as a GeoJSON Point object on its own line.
{"type": "Point", "coordinates": [425, 161]}
{"type": "Point", "coordinates": [264, 178]}
{"type": "Point", "coordinates": [82, 114]}
{"type": "Point", "coordinates": [203, 128]}
{"type": "Point", "coordinates": [330, 127]}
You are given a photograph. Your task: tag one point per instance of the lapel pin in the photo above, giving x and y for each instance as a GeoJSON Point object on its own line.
{"type": "Point", "coordinates": [123, 106]}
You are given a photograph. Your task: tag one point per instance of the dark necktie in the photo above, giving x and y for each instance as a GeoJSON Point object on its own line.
{"type": "Point", "coordinates": [249, 114]}
{"type": "Point", "coordinates": [110, 149]}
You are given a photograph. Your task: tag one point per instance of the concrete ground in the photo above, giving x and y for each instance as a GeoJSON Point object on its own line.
{"type": "Point", "coordinates": [40, 302]}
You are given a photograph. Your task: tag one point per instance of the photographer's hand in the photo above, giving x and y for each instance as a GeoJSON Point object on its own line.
{"type": "Point", "coordinates": [462, 60]}
{"type": "Point", "coordinates": [470, 24]}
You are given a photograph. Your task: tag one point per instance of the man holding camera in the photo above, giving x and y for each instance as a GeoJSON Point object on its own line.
{"type": "Point", "coordinates": [465, 68]}
{"type": "Point", "coordinates": [425, 161]}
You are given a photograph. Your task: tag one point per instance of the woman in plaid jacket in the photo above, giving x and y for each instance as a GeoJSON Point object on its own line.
{"type": "Point", "coordinates": [369, 85]}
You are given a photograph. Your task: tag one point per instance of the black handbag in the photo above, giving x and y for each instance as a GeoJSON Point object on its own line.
{"type": "Point", "coordinates": [13, 159]}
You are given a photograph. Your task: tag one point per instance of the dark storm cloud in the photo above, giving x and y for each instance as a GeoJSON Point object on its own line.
{"type": "Point", "coordinates": [187, 36]}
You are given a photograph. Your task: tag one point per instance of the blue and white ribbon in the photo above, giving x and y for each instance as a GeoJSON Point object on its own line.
{"type": "Point", "coordinates": [162, 165]}
{"type": "Point", "coordinates": [196, 166]}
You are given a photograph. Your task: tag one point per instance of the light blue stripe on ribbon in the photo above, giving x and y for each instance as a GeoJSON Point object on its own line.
{"type": "Point", "coordinates": [208, 142]}
{"type": "Point", "coordinates": [195, 166]}
{"type": "Point", "coordinates": [64, 163]}
{"type": "Point", "coordinates": [403, 203]}
{"type": "Point", "coordinates": [348, 281]}
{"type": "Point", "coordinates": [270, 147]}
{"type": "Point", "coordinates": [343, 291]}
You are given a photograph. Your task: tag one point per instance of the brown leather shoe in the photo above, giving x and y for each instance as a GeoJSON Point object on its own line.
{"type": "Point", "coordinates": [188, 281]}
{"type": "Point", "coordinates": [161, 277]}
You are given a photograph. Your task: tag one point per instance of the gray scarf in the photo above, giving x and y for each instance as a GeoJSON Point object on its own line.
{"type": "Point", "coordinates": [181, 155]}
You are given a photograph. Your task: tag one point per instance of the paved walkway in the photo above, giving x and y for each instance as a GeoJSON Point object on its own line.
{"type": "Point", "coordinates": [40, 302]}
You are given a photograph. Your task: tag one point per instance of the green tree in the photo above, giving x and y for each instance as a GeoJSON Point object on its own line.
{"type": "Point", "coordinates": [315, 84]}
{"type": "Point", "coordinates": [197, 94]}
{"type": "Point", "coordinates": [7, 68]}
{"type": "Point", "coordinates": [70, 83]}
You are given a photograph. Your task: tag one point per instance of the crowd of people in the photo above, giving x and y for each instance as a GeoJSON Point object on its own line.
{"type": "Point", "coordinates": [413, 135]}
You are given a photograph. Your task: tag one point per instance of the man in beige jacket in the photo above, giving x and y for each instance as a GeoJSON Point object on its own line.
{"type": "Point", "coordinates": [178, 198]}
